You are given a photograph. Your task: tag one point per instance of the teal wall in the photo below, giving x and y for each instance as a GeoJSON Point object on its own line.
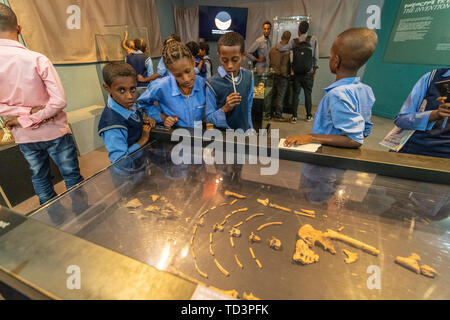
{"type": "Point", "coordinates": [391, 82]}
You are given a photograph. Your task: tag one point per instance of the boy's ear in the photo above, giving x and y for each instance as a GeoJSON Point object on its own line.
{"type": "Point", "coordinates": [107, 88]}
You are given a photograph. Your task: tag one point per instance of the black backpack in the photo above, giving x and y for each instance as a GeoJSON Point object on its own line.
{"type": "Point", "coordinates": [303, 56]}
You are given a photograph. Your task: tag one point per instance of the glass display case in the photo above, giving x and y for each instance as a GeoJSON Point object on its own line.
{"type": "Point", "coordinates": [229, 227]}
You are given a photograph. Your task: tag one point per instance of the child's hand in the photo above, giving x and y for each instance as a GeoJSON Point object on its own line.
{"type": "Point", "coordinates": [233, 100]}
{"type": "Point", "coordinates": [169, 122]}
{"type": "Point", "coordinates": [444, 110]}
{"type": "Point", "coordinates": [11, 122]}
{"type": "Point", "coordinates": [298, 140]}
{"type": "Point", "coordinates": [140, 78]}
{"type": "Point", "coordinates": [150, 121]}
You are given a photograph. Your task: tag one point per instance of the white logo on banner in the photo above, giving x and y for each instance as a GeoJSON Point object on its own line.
{"type": "Point", "coordinates": [374, 20]}
{"type": "Point", "coordinates": [223, 20]}
{"type": "Point", "coordinates": [74, 20]}
{"type": "Point", "coordinates": [74, 281]}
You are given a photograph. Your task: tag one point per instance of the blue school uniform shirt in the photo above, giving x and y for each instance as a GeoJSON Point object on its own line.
{"type": "Point", "coordinates": [173, 103]}
{"type": "Point", "coordinates": [409, 117]}
{"type": "Point", "coordinates": [115, 139]}
{"type": "Point", "coordinates": [346, 109]}
{"type": "Point", "coordinates": [215, 114]}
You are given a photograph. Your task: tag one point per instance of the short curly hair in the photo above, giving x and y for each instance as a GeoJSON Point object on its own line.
{"type": "Point", "coordinates": [232, 39]}
{"type": "Point", "coordinates": [117, 69]}
{"type": "Point", "coordinates": [8, 19]}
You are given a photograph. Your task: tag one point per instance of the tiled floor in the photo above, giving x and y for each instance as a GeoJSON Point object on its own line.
{"type": "Point", "coordinates": [98, 159]}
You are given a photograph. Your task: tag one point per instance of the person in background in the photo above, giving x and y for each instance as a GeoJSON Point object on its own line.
{"type": "Point", "coordinates": [141, 63]}
{"type": "Point", "coordinates": [431, 125]}
{"type": "Point", "coordinates": [228, 104]}
{"type": "Point", "coordinates": [305, 64]}
{"type": "Point", "coordinates": [128, 45]}
{"type": "Point", "coordinates": [181, 95]}
{"type": "Point", "coordinates": [281, 64]}
{"type": "Point", "coordinates": [33, 100]}
{"type": "Point", "coordinates": [343, 118]}
{"type": "Point", "coordinates": [195, 49]}
{"type": "Point", "coordinates": [206, 70]}
{"type": "Point", "coordinates": [258, 52]}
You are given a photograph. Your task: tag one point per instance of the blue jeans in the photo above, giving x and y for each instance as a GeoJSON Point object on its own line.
{"type": "Point", "coordinates": [64, 153]}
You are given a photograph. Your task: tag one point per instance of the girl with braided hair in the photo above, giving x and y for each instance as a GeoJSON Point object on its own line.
{"type": "Point", "coordinates": [180, 95]}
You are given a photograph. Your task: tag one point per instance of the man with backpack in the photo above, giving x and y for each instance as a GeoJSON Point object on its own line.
{"type": "Point", "coordinates": [305, 52]}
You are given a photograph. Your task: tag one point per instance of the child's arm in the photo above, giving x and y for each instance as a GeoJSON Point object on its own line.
{"type": "Point", "coordinates": [116, 142]}
{"type": "Point", "coordinates": [150, 74]}
{"type": "Point", "coordinates": [325, 139]}
{"type": "Point", "coordinates": [409, 117]}
{"type": "Point", "coordinates": [347, 124]}
{"type": "Point", "coordinates": [147, 103]}
{"type": "Point", "coordinates": [124, 44]}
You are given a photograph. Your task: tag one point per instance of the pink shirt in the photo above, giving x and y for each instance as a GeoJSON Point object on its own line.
{"type": "Point", "coordinates": [28, 79]}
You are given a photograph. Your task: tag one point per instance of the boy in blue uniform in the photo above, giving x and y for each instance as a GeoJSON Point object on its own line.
{"type": "Point", "coordinates": [343, 118]}
{"type": "Point", "coordinates": [181, 95]}
{"type": "Point", "coordinates": [432, 135]}
{"type": "Point", "coordinates": [121, 125]}
{"type": "Point", "coordinates": [228, 104]}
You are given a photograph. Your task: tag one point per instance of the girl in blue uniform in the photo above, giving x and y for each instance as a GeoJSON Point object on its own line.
{"type": "Point", "coordinates": [181, 95]}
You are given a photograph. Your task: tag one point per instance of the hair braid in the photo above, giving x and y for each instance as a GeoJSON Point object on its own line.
{"type": "Point", "coordinates": [174, 51]}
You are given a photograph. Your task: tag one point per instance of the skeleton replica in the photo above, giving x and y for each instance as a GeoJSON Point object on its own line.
{"type": "Point", "coordinates": [7, 136]}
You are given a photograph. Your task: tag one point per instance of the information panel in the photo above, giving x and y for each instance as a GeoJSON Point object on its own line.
{"type": "Point", "coordinates": [421, 33]}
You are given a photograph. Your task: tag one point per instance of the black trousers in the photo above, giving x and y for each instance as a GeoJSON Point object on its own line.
{"type": "Point", "coordinates": [305, 82]}
{"type": "Point", "coordinates": [280, 85]}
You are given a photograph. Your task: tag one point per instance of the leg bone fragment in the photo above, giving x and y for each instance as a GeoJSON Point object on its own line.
{"type": "Point", "coordinates": [236, 195]}
{"type": "Point", "coordinates": [273, 205]}
{"type": "Point", "coordinates": [304, 214]}
{"type": "Point", "coordinates": [353, 242]}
